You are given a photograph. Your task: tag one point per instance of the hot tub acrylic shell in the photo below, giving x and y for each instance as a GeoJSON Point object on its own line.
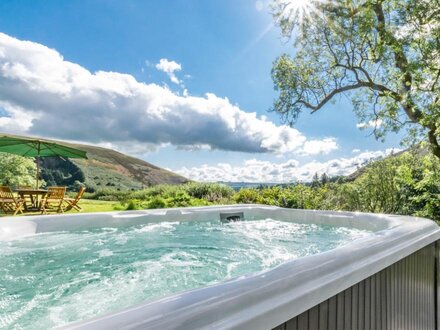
{"type": "Point", "coordinates": [262, 300]}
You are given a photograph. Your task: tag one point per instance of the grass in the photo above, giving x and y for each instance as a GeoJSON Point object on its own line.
{"type": "Point", "coordinates": [91, 205]}
{"type": "Point", "coordinates": [88, 206]}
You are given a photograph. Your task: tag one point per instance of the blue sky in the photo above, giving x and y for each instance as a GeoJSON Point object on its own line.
{"type": "Point", "coordinates": [222, 47]}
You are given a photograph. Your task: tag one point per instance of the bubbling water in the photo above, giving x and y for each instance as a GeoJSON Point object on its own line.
{"type": "Point", "coordinates": [52, 279]}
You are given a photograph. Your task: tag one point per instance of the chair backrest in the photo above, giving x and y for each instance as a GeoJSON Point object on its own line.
{"type": "Point", "coordinates": [6, 193]}
{"type": "Point", "coordinates": [55, 192]}
{"type": "Point", "coordinates": [81, 192]}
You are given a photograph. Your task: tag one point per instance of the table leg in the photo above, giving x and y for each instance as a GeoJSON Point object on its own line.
{"type": "Point", "coordinates": [22, 196]}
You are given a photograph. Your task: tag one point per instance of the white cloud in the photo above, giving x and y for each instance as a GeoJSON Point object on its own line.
{"type": "Point", "coordinates": [371, 124]}
{"type": "Point", "coordinates": [319, 147]}
{"type": "Point", "coordinates": [45, 95]}
{"type": "Point", "coordinates": [290, 171]}
{"type": "Point", "coordinates": [170, 68]}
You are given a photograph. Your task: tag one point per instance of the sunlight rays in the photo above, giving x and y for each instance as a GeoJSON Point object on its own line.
{"type": "Point", "coordinates": [298, 11]}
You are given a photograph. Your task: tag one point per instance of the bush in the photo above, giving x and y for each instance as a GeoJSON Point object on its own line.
{"type": "Point", "coordinates": [156, 203]}
{"type": "Point", "coordinates": [190, 194]}
{"type": "Point", "coordinates": [247, 196]}
{"type": "Point", "coordinates": [133, 205]}
{"type": "Point", "coordinates": [210, 191]}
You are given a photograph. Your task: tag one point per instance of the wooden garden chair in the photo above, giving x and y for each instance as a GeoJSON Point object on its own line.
{"type": "Point", "coordinates": [72, 203]}
{"type": "Point", "coordinates": [28, 200]}
{"type": "Point", "coordinates": [10, 203]}
{"type": "Point", "coordinates": [53, 200]}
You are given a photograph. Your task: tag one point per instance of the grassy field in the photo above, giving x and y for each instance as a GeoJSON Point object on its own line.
{"type": "Point", "coordinates": [88, 205]}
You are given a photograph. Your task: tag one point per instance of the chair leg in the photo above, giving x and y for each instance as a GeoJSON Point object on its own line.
{"type": "Point", "coordinates": [60, 208]}
{"type": "Point", "coordinates": [16, 211]}
{"type": "Point", "coordinates": [72, 205]}
{"type": "Point", "coordinates": [69, 205]}
{"type": "Point", "coordinates": [43, 207]}
{"type": "Point", "coordinates": [18, 208]}
{"type": "Point", "coordinates": [75, 206]}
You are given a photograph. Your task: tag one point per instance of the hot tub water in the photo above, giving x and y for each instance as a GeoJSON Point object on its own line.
{"type": "Point", "coordinates": [55, 278]}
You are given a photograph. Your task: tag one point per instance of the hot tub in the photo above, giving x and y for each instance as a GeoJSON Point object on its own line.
{"type": "Point", "coordinates": [384, 277]}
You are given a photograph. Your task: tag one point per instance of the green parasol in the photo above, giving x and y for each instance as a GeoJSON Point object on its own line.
{"type": "Point", "coordinates": [29, 147]}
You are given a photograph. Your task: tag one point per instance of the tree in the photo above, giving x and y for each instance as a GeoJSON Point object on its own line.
{"type": "Point", "coordinates": [315, 180]}
{"type": "Point", "coordinates": [384, 54]}
{"type": "Point", "coordinates": [17, 170]}
{"type": "Point", "coordinates": [324, 179]}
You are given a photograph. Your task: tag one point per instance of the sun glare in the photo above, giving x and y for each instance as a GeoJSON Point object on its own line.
{"type": "Point", "coordinates": [297, 10]}
{"type": "Point", "coordinates": [294, 7]}
{"type": "Point", "coordinates": [300, 4]}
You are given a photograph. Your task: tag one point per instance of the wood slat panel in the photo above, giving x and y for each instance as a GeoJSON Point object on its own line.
{"type": "Point", "coordinates": [402, 296]}
{"type": "Point", "coordinates": [378, 302]}
{"type": "Point", "coordinates": [292, 324]}
{"type": "Point", "coordinates": [323, 315]}
{"type": "Point", "coordinates": [340, 310]}
{"type": "Point", "coordinates": [303, 320]}
{"type": "Point", "coordinates": [347, 309]}
{"type": "Point", "coordinates": [383, 298]}
{"type": "Point", "coordinates": [332, 313]}
{"type": "Point", "coordinates": [367, 322]}
{"type": "Point", "coordinates": [354, 306]}
{"type": "Point", "coordinates": [314, 318]}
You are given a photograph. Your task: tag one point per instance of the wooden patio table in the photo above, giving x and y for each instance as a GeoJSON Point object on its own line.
{"type": "Point", "coordinates": [35, 195]}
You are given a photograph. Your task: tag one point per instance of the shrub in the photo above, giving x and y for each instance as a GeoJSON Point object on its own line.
{"type": "Point", "coordinates": [156, 203]}
{"type": "Point", "coordinates": [133, 204]}
{"type": "Point", "coordinates": [247, 196]}
{"type": "Point", "coordinates": [210, 191]}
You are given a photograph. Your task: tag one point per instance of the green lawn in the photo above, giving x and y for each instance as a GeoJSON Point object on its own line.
{"type": "Point", "coordinates": [91, 205]}
{"type": "Point", "coordinates": [88, 206]}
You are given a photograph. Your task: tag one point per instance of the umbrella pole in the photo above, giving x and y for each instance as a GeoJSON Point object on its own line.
{"type": "Point", "coordinates": [38, 170]}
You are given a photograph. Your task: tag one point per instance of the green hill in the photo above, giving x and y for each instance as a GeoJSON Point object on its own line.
{"type": "Point", "coordinates": [105, 168]}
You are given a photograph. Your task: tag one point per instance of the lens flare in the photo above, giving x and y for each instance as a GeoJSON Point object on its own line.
{"type": "Point", "coordinates": [297, 11]}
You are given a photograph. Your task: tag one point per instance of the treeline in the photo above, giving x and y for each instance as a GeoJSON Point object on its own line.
{"type": "Point", "coordinates": [407, 184]}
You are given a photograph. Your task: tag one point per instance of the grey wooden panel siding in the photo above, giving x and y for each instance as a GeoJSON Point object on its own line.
{"type": "Point", "coordinates": [402, 296]}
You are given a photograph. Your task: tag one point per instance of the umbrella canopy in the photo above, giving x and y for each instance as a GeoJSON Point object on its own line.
{"type": "Point", "coordinates": [28, 147]}
{"type": "Point", "coordinates": [37, 148]}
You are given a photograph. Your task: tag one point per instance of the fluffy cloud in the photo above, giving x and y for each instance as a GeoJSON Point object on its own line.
{"type": "Point", "coordinates": [43, 94]}
{"type": "Point", "coordinates": [316, 147]}
{"type": "Point", "coordinates": [289, 171]}
{"type": "Point", "coordinates": [169, 67]}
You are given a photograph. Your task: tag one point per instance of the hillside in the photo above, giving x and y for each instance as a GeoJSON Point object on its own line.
{"type": "Point", "coordinates": [105, 168]}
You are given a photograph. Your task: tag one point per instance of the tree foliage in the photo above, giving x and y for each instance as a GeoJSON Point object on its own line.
{"type": "Point", "coordinates": [57, 171]}
{"type": "Point", "coordinates": [384, 54]}
{"type": "Point", "coordinates": [16, 170]}
{"type": "Point", "coordinates": [407, 184]}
